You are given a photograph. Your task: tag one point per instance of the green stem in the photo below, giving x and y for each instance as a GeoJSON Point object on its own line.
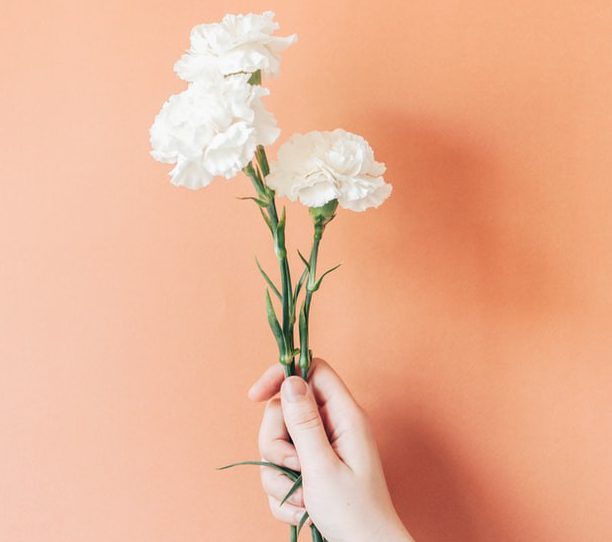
{"type": "Point", "coordinates": [278, 231]}
{"type": "Point", "coordinates": [281, 252]}
{"type": "Point", "coordinates": [305, 311]}
{"type": "Point", "coordinates": [287, 291]}
{"type": "Point", "coordinates": [252, 174]}
{"type": "Point", "coordinates": [316, 535]}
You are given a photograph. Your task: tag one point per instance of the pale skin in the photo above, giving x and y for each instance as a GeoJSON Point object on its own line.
{"type": "Point", "coordinates": [320, 430]}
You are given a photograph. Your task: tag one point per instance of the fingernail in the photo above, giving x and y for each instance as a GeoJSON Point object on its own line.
{"type": "Point", "coordinates": [294, 388]}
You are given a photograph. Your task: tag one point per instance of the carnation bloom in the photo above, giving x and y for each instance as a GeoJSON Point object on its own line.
{"type": "Point", "coordinates": [238, 44]}
{"type": "Point", "coordinates": [318, 167]}
{"type": "Point", "coordinates": [211, 128]}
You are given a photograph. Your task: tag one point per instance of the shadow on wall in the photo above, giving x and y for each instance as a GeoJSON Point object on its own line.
{"type": "Point", "coordinates": [462, 220]}
{"type": "Point", "coordinates": [427, 481]}
{"type": "Point", "coordinates": [462, 247]}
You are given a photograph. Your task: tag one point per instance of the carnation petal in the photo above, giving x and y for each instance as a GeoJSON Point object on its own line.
{"type": "Point", "coordinates": [320, 166]}
{"type": "Point", "coordinates": [216, 123]}
{"type": "Point", "coordinates": [237, 44]}
{"type": "Point", "coordinates": [228, 152]}
{"type": "Point", "coordinates": [190, 174]}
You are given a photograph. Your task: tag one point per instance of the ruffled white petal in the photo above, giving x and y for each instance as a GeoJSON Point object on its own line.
{"type": "Point", "coordinates": [318, 167]}
{"type": "Point", "coordinates": [211, 129]}
{"type": "Point", "coordinates": [238, 44]}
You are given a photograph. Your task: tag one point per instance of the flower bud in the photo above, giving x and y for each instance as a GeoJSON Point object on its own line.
{"type": "Point", "coordinates": [324, 214]}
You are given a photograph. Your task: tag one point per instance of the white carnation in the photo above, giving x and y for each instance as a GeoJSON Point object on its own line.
{"type": "Point", "coordinates": [212, 128]}
{"type": "Point", "coordinates": [318, 167]}
{"type": "Point", "coordinates": [238, 44]}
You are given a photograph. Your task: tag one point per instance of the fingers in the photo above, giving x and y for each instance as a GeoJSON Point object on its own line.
{"type": "Point", "coordinates": [277, 485]}
{"type": "Point", "coordinates": [303, 421]}
{"type": "Point", "coordinates": [347, 426]}
{"type": "Point", "coordinates": [287, 513]}
{"type": "Point", "coordinates": [327, 385]}
{"type": "Point", "coordinates": [275, 447]}
{"type": "Point", "coordinates": [343, 420]}
{"type": "Point", "coordinates": [274, 444]}
{"type": "Point", "coordinates": [268, 384]}
{"type": "Point", "coordinates": [329, 389]}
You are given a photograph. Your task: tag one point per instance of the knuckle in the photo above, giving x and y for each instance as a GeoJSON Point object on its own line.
{"type": "Point", "coordinates": [266, 479]}
{"type": "Point", "coordinates": [263, 439]}
{"type": "Point", "coordinates": [297, 499]}
{"type": "Point", "coordinates": [276, 485]}
{"type": "Point", "coordinates": [277, 511]}
{"type": "Point", "coordinates": [307, 420]}
{"type": "Point", "coordinates": [265, 448]}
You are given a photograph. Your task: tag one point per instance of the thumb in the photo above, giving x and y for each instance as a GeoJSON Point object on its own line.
{"type": "Point", "coordinates": [304, 424]}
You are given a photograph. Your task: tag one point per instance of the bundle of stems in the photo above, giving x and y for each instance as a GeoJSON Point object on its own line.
{"type": "Point", "coordinates": [218, 126]}
{"type": "Point", "coordinates": [295, 361]}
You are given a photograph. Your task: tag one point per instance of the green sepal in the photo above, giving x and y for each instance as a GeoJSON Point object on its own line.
{"type": "Point", "coordinates": [275, 326]}
{"type": "Point", "coordinates": [325, 214]}
{"type": "Point", "coordinates": [268, 280]}
{"type": "Point", "coordinates": [262, 159]}
{"type": "Point", "coordinates": [255, 78]}
{"type": "Point", "coordinates": [252, 173]}
{"type": "Point", "coordinates": [296, 485]}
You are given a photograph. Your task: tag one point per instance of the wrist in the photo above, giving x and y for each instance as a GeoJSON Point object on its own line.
{"type": "Point", "coordinates": [394, 533]}
{"type": "Point", "coordinates": [389, 530]}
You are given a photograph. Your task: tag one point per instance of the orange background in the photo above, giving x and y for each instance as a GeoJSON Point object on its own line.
{"type": "Point", "coordinates": [472, 316]}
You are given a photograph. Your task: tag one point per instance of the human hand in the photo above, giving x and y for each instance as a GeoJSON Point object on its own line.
{"type": "Point", "coordinates": [318, 428]}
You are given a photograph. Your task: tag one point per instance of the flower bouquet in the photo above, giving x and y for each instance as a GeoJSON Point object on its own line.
{"type": "Point", "coordinates": [219, 126]}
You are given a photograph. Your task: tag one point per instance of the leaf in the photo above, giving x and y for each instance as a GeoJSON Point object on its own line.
{"type": "Point", "coordinates": [296, 485]}
{"type": "Point", "coordinates": [290, 473]}
{"type": "Point", "coordinates": [274, 325]}
{"type": "Point", "coordinates": [268, 280]}
{"type": "Point", "coordinates": [260, 202]}
{"type": "Point", "coordinates": [298, 286]}
{"type": "Point", "coordinates": [306, 263]}
{"type": "Point", "coordinates": [303, 520]}
{"type": "Point", "coordinates": [318, 283]}
{"type": "Point", "coordinates": [267, 220]}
